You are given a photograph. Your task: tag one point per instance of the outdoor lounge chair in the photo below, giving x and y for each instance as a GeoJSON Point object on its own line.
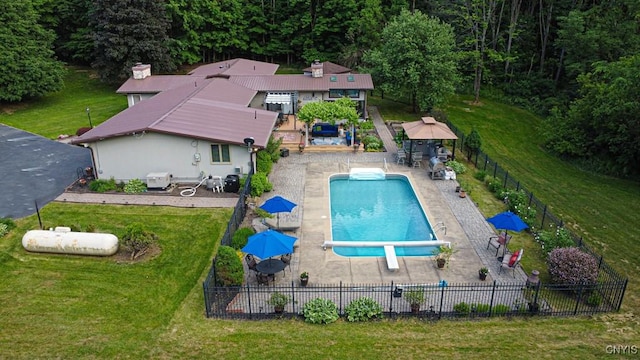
{"type": "Point", "coordinates": [498, 241]}
{"type": "Point", "coordinates": [285, 224]}
{"type": "Point", "coordinates": [511, 262]}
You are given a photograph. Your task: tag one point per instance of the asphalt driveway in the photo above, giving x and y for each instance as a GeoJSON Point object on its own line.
{"type": "Point", "coordinates": [35, 169]}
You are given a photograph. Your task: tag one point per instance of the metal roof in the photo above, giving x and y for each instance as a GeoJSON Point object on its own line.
{"type": "Point", "coordinates": [204, 111]}
{"type": "Point", "coordinates": [304, 82]}
{"type": "Point", "coordinates": [153, 84]}
{"type": "Point", "coordinates": [236, 67]}
{"type": "Point", "coordinates": [330, 68]}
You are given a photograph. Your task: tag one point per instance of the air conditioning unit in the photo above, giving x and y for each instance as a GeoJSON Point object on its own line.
{"type": "Point", "coordinates": [158, 180]}
{"type": "Point", "coordinates": [238, 169]}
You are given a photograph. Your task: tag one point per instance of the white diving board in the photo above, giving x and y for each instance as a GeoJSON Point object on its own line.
{"type": "Point", "coordinates": [392, 260]}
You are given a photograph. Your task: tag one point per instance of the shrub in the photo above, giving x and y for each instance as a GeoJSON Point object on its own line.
{"type": "Point", "coordinates": [264, 163]}
{"type": "Point", "coordinates": [514, 199]}
{"type": "Point", "coordinates": [273, 148]}
{"type": "Point", "coordinates": [495, 186]}
{"type": "Point", "coordinates": [6, 225]}
{"type": "Point", "coordinates": [594, 299]}
{"type": "Point", "coordinates": [462, 308]}
{"type": "Point", "coordinates": [240, 237]}
{"type": "Point", "coordinates": [458, 167]}
{"type": "Point", "coordinates": [501, 309]}
{"type": "Point", "coordinates": [372, 143]}
{"type": "Point", "coordinates": [135, 186]}
{"type": "Point", "coordinates": [572, 266]}
{"type": "Point", "coordinates": [320, 311]}
{"type": "Point", "coordinates": [101, 185]}
{"type": "Point", "coordinates": [480, 308]}
{"type": "Point", "coordinates": [228, 267]}
{"type": "Point", "coordinates": [472, 143]}
{"type": "Point", "coordinates": [258, 183]}
{"type": "Point", "coordinates": [137, 239]}
{"type": "Point", "coordinates": [480, 175]}
{"type": "Point", "coordinates": [363, 309]}
{"type": "Point", "coordinates": [550, 240]}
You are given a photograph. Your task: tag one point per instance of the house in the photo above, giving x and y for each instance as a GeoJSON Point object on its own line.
{"type": "Point", "coordinates": [210, 121]}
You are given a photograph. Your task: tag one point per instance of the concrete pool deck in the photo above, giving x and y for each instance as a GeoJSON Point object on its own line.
{"type": "Point", "coordinates": [304, 179]}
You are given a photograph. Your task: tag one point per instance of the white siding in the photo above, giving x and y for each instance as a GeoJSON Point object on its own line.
{"type": "Point", "coordinates": [133, 157]}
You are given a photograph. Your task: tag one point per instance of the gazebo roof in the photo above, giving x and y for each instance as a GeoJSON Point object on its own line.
{"type": "Point", "coordinates": [428, 129]}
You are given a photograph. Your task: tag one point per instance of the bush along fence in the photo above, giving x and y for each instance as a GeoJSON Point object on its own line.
{"type": "Point", "coordinates": [428, 301]}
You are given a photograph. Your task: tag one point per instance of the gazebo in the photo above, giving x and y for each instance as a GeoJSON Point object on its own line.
{"type": "Point", "coordinates": [428, 128]}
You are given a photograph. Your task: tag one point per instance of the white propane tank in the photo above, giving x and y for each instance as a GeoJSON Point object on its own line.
{"type": "Point", "coordinates": [62, 240]}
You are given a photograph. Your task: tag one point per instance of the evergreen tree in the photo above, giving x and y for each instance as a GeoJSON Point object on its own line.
{"type": "Point", "coordinates": [29, 68]}
{"type": "Point", "coordinates": [127, 32]}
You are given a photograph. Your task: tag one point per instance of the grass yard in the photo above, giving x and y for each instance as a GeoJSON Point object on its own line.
{"type": "Point", "coordinates": [72, 307]}
{"type": "Point", "coordinates": [65, 111]}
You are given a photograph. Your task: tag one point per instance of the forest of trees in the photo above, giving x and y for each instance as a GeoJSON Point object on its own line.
{"type": "Point", "coordinates": [575, 62]}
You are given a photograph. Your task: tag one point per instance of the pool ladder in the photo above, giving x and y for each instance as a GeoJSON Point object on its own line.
{"type": "Point", "coordinates": [440, 226]}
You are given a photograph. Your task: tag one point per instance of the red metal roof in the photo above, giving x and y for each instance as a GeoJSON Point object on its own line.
{"type": "Point", "coordinates": [330, 68]}
{"type": "Point", "coordinates": [304, 82]}
{"type": "Point", "coordinates": [204, 111]}
{"type": "Point", "coordinates": [236, 67]}
{"type": "Point", "coordinates": [153, 84]}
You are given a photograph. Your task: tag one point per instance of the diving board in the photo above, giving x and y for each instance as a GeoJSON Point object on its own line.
{"type": "Point", "coordinates": [392, 260]}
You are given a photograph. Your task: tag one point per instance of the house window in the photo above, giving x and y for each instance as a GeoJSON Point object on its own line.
{"type": "Point", "coordinates": [353, 93]}
{"type": "Point", "coordinates": [136, 98]}
{"type": "Point", "coordinates": [220, 153]}
{"type": "Point", "coordinates": [336, 93]}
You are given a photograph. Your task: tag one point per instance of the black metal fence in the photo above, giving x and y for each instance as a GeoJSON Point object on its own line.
{"type": "Point", "coordinates": [441, 300]}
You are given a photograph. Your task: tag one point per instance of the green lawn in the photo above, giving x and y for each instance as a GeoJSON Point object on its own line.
{"type": "Point", "coordinates": [71, 307]}
{"type": "Point", "coordinates": [65, 111]}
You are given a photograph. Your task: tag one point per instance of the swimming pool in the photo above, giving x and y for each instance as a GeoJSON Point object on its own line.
{"type": "Point", "coordinates": [381, 208]}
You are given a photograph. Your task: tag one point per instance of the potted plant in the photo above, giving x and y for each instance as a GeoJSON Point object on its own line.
{"type": "Point", "coordinates": [483, 273]}
{"type": "Point", "coordinates": [304, 278]}
{"type": "Point", "coordinates": [278, 301]}
{"type": "Point", "coordinates": [444, 255]}
{"type": "Point", "coordinates": [415, 298]}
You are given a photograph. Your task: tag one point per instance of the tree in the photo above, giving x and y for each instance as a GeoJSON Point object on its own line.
{"type": "Point", "coordinates": [603, 124]}
{"type": "Point", "coordinates": [29, 68]}
{"type": "Point", "coordinates": [127, 32]}
{"type": "Point", "coordinates": [415, 60]}
{"type": "Point", "coordinates": [472, 143]}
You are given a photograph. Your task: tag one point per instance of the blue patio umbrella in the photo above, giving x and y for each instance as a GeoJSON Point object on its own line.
{"type": "Point", "coordinates": [507, 221]}
{"type": "Point", "coordinates": [276, 205]}
{"type": "Point", "coordinates": [269, 243]}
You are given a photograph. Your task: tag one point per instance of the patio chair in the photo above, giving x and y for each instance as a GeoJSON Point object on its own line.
{"type": "Point", "coordinates": [286, 259]}
{"type": "Point", "coordinates": [401, 156]}
{"type": "Point", "coordinates": [263, 279]}
{"type": "Point", "coordinates": [511, 263]}
{"type": "Point", "coordinates": [498, 241]}
{"type": "Point", "coordinates": [251, 262]}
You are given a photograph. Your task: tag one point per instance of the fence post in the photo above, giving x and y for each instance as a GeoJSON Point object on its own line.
{"type": "Point", "coordinates": [293, 297]}
{"type": "Point", "coordinates": [506, 177]}
{"type": "Point", "coordinates": [207, 306]}
{"type": "Point", "coordinates": [486, 160]}
{"type": "Point", "coordinates": [340, 299]}
{"type": "Point", "coordinates": [249, 301]}
{"type": "Point", "coordinates": [544, 216]}
{"type": "Point", "coordinates": [476, 163]}
{"type": "Point", "coordinates": [530, 198]}
{"type": "Point", "coordinates": [518, 186]}
{"type": "Point", "coordinates": [624, 289]}
{"type": "Point", "coordinates": [493, 293]}
{"type": "Point", "coordinates": [495, 169]}
{"type": "Point", "coordinates": [391, 298]}
{"type": "Point", "coordinates": [441, 302]}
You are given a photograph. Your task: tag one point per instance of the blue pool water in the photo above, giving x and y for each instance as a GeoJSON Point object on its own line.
{"type": "Point", "coordinates": [377, 210]}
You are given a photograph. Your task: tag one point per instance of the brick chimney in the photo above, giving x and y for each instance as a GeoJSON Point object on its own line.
{"type": "Point", "coordinates": [141, 71]}
{"type": "Point", "coordinates": [316, 69]}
